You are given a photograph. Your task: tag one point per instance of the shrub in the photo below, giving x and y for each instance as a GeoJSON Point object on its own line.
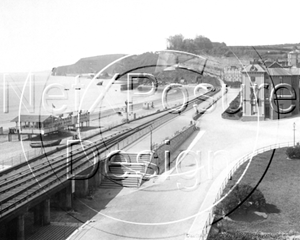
{"type": "Point", "coordinates": [234, 104]}
{"type": "Point", "coordinates": [230, 111]}
{"type": "Point", "coordinates": [293, 152]}
{"type": "Point", "coordinates": [239, 194]}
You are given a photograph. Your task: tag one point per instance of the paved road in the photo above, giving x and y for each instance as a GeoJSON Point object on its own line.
{"type": "Point", "coordinates": [163, 209]}
{"type": "Point", "coordinates": [159, 210]}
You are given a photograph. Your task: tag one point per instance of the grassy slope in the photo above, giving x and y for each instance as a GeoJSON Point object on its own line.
{"type": "Point", "coordinates": [281, 189]}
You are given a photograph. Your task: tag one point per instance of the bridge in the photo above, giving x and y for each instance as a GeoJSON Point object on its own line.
{"type": "Point", "coordinates": [33, 184]}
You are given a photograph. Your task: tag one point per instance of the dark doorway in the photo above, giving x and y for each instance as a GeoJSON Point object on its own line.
{"type": "Point", "coordinates": [267, 111]}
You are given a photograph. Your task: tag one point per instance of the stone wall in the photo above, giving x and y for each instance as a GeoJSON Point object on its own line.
{"type": "Point", "coordinates": [171, 145]}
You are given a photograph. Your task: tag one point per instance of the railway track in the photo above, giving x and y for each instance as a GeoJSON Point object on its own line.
{"type": "Point", "coordinates": [22, 184]}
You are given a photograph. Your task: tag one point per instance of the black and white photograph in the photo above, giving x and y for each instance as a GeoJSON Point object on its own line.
{"type": "Point", "coordinates": [149, 120]}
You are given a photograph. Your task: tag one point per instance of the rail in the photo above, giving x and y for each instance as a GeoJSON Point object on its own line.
{"type": "Point", "coordinates": [206, 228]}
{"type": "Point", "coordinates": [20, 185]}
{"type": "Point", "coordinates": [16, 159]}
{"type": "Point", "coordinates": [46, 176]}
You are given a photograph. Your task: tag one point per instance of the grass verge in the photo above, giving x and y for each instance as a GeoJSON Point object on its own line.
{"type": "Point", "coordinates": [281, 188]}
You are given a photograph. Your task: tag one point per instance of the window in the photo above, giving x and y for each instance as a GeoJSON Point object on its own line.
{"type": "Point", "coordinates": [266, 93]}
{"type": "Point", "coordinates": [281, 90]}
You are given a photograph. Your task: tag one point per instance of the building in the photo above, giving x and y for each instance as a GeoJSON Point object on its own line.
{"type": "Point", "coordinates": [46, 124]}
{"type": "Point", "coordinates": [294, 58]}
{"type": "Point", "coordinates": [258, 92]}
{"type": "Point", "coordinates": [35, 124]}
{"type": "Point", "coordinates": [269, 63]}
{"type": "Point", "coordinates": [232, 74]}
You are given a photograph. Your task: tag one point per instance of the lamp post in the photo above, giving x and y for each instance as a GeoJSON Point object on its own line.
{"type": "Point", "coordinates": [294, 130]}
{"type": "Point", "coordinates": [126, 110]}
{"type": "Point", "coordinates": [151, 128]}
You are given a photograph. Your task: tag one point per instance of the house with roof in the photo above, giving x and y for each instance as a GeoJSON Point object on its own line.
{"type": "Point", "coordinates": [46, 124]}
{"type": "Point", "coordinates": [294, 57]}
{"type": "Point", "coordinates": [34, 123]}
{"type": "Point", "coordinates": [232, 74]}
{"type": "Point", "coordinates": [270, 92]}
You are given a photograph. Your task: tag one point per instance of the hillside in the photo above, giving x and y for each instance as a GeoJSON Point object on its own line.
{"type": "Point", "coordinates": [88, 65]}
{"type": "Point", "coordinates": [219, 55]}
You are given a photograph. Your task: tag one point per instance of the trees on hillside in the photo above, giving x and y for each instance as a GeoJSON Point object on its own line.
{"type": "Point", "coordinates": [176, 42]}
{"type": "Point", "coordinates": [203, 43]}
{"type": "Point", "coordinates": [197, 45]}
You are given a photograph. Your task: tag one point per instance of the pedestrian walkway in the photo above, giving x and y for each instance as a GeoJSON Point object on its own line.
{"type": "Point", "coordinates": [168, 129]}
{"type": "Point", "coordinates": [226, 141]}
{"type": "Point", "coordinates": [171, 207]}
{"type": "Point", "coordinates": [162, 208]}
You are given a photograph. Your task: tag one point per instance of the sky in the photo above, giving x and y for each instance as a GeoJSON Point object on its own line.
{"type": "Point", "coordinates": [41, 34]}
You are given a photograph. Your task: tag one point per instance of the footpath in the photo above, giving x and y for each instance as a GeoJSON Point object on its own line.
{"type": "Point", "coordinates": [164, 207]}
{"type": "Point", "coordinates": [151, 188]}
{"type": "Point", "coordinates": [175, 206]}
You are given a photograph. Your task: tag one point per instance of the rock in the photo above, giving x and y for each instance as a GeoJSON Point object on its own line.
{"type": "Point", "coordinates": [214, 231]}
{"type": "Point", "coordinates": [262, 214]}
{"type": "Point", "coordinates": [90, 197]}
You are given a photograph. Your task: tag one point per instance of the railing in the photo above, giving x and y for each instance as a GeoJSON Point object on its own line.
{"type": "Point", "coordinates": [235, 166]}
{"type": "Point", "coordinates": [12, 160]}
{"type": "Point", "coordinates": [147, 166]}
{"type": "Point", "coordinates": [19, 158]}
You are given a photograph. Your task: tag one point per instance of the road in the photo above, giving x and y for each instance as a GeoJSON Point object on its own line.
{"type": "Point", "coordinates": [163, 208]}
{"type": "Point", "coordinates": [152, 211]}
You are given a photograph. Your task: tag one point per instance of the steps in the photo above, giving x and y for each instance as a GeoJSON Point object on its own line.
{"type": "Point", "coordinates": [130, 158]}
{"type": "Point", "coordinates": [127, 168]}
{"type": "Point", "coordinates": [113, 182]}
{"type": "Point", "coordinates": [124, 170]}
{"type": "Point", "coordinates": [126, 174]}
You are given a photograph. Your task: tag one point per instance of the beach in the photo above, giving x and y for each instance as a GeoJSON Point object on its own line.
{"type": "Point", "coordinates": [110, 111]}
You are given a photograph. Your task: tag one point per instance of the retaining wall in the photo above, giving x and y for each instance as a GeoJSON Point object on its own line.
{"type": "Point", "coordinates": [171, 145]}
